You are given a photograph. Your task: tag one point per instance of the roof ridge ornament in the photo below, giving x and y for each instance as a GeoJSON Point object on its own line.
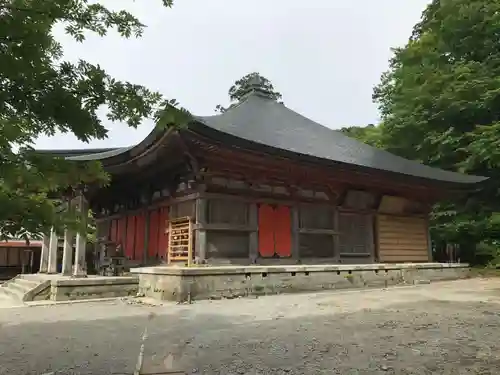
{"type": "Point", "coordinates": [256, 86]}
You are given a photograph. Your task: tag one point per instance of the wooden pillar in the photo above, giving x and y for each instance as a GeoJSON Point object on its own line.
{"type": "Point", "coordinates": [79, 268]}
{"type": "Point", "coordinates": [429, 242]}
{"type": "Point", "coordinates": [44, 255]}
{"type": "Point", "coordinates": [253, 241]}
{"type": "Point", "coordinates": [200, 233]}
{"type": "Point", "coordinates": [370, 237]}
{"type": "Point", "coordinates": [336, 237]}
{"type": "Point", "coordinates": [52, 260]}
{"type": "Point", "coordinates": [295, 233]}
{"type": "Point", "coordinates": [69, 238]}
{"type": "Point", "coordinates": [67, 262]}
{"type": "Point", "coordinates": [147, 220]}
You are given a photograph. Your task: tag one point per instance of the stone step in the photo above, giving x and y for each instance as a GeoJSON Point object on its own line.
{"type": "Point", "coordinates": [13, 293]}
{"type": "Point", "coordinates": [28, 283]}
{"type": "Point", "coordinates": [6, 300]}
{"type": "Point", "coordinates": [21, 287]}
{"type": "Point", "coordinates": [31, 276]}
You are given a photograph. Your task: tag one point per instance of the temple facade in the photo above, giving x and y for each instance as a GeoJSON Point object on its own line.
{"type": "Point", "coordinates": [262, 184]}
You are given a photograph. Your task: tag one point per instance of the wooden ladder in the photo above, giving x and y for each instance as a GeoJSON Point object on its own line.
{"type": "Point", "coordinates": [180, 240]}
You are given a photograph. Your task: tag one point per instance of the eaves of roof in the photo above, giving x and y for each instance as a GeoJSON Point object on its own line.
{"type": "Point", "coordinates": [261, 121]}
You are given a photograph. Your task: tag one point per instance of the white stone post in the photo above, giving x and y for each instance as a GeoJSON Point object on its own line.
{"type": "Point", "coordinates": [80, 269]}
{"type": "Point", "coordinates": [69, 237]}
{"type": "Point", "coordinates": [52, 261]}
{"type": "Point", "coordinates": [44, 255]}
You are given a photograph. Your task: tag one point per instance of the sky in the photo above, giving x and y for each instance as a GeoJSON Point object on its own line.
{"type": "Point", "coordinates": [324, 56]}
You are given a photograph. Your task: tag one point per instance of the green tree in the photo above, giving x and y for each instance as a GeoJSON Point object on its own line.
{"type": "Point", "coordinates": [439, 102]}
{"type": "Point", "coordinates": [40, 93]}
{"type": "Point", "coordinates": [243, 85]}
{"type": "Point", "coordinates": [370, 134]}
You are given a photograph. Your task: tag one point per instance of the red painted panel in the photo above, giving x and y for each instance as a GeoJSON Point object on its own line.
{"type": "Point", "coordinates": [140, 230]}
{"type": "Point", "coordinates": [283, 231]}
{"type": "Point", "coordinates": [162, 235]}
{"type": "Point", "coordinates": [120, 231]}
{"type": "Point", "coordinates": [154, 221]}
{"type": "Point", "coordinates": [266, 230]}
{"type": "Point", "coordinates": [112, 230]}
{"type": "Point", "coordinates": [129, 240]}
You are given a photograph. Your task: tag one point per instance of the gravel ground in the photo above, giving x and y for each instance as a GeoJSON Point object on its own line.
{"type": "Point", "coordinates": [442, 328]}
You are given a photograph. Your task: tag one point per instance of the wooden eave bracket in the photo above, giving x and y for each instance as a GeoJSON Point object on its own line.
{"type": "Point", "coordinates": [193, 162]}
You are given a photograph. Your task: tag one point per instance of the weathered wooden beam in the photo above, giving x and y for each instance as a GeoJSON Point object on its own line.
{"type": "Point", "coordinates": [336, 239]}
{"type": "Point", "coordinates": [227, 227]}
{"type": "Point", "coordinates": [370, 238]}
{"type": "Point", "coordinates": [253, 221]}
{"type": "Point", "coordinates": [200, 231]}
{"type": "Point", "coordinates": [147, 225]}
{"type": "Point", "coordinates": [295, 232]}
{"type": "Point", "coordinates": [331, 232]}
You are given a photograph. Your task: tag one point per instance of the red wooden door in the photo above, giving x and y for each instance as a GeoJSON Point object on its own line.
{"type": "Point", "coordinates": [283, 231]}
{"type": "Point", "coordinates": [275, 231]}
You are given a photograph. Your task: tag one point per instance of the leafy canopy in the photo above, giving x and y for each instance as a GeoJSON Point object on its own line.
{"type": "Point", "coordinates": [370, 134]}
{"type": "Point", "coordinates": [41, 94]}
{"type": "Point", "coordinates": [440, 104]}
{"type": "Point", "coordinates": [243, 85]}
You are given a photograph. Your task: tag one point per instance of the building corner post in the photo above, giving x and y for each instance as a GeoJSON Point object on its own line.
{"type": "Point", "coordinates": [253, 221]}
{"type": "Point", "coordinates": [52, 257]}
{"type": "Point", "coordinates": [295, 233]}
{"type": "Point", "coordinates": [44, 256]}
{"type": "Point", "coordinates": [80, 269]}
{"type": "Point", "coordinates": [200, 233]}
{"type": "Point", "coordinates": [429, 242]}
{"type": "Point", "coordinates": [69, 237]}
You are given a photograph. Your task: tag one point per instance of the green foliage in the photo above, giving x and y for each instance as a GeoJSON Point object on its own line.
{"type": "Point", "coordinates": [440, 104]}
{"type": "Point", "coordinates": [487, 253]}
{"type": "Point", "coordinates": [41, 94]}
{"type": "Point", "coordinates": [370, 134]}
{"type": "Point", "coordinates": [243, 85]}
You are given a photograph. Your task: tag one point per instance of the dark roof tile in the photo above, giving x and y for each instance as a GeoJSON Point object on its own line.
{"type": "Point", "coordinates": [265, 121]}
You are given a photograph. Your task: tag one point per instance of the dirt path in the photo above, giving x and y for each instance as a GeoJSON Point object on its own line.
{"type": "Point", "coordinates": [442, 328]}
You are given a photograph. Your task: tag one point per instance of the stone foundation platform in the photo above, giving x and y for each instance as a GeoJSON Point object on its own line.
{"type": "Point", "coordinates": [196, 283]}
{"type": "Point", "coordinates": [40, 287]}
{"type": "Point", "coordinates": [93, 287]}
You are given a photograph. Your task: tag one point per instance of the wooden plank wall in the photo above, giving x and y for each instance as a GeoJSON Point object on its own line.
{"type": "Point", "coordinates": [402, 239]}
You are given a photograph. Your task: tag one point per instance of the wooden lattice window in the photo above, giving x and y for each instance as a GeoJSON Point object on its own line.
{"type": "Point", "coordinates": [316, 217]}
{"type": "Point", "coordinates": [316, 246]}
{"type": "Point", "coordinates": [227, 244]}
{"type": "Point", "coordinates": [355, 234]}
{"type": "Point", "coordinates": [222, 211]}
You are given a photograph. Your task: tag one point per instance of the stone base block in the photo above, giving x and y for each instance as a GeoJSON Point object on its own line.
{"type": "Point", "coordinates": [196, 283]}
